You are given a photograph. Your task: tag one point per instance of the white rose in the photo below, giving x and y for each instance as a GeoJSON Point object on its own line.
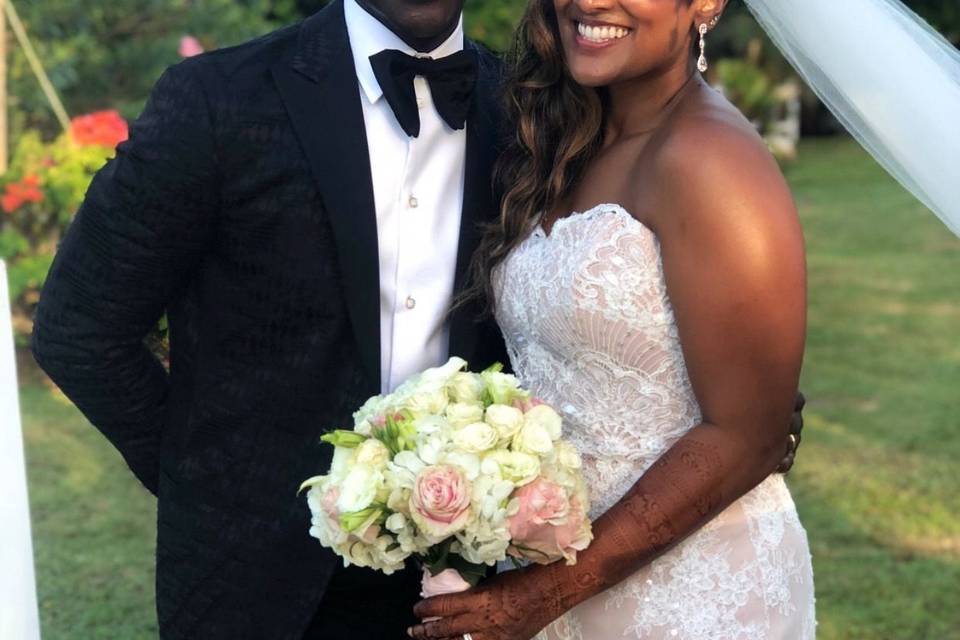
{"type": "Point", "coordinates": [533, 438]}
{"type": "Point", "coordinates": [358, 488]}
{"type": "Point", "coordinates": [475, 438]}
{"type": "Point", "coordinates": [373, 453]}
{"type": "Point", "coordinates": [546, 417]}
{"type": "Point", "coordinates": [428, 402]}
{"type": "Point", "coordinates": [466, 387]}
{"type": "Point", "coordinates": [567, 455]}
{"type": "Point", "coordinates": [506, 420]}
{"type": "Point", "coordinates": [514, 466]}
{"type": "Point", "coordinates": [460, 414]}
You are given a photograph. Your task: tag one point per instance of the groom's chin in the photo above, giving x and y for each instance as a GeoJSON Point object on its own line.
{"type": "Point", "coordinates": [417, 19]}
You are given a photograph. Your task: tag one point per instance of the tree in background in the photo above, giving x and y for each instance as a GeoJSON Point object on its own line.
{"type": "Point", "coordinates": [107, 54]}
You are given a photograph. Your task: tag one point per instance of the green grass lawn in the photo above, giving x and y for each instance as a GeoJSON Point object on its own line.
{"type": "Point", "coordinates": [876, 482]}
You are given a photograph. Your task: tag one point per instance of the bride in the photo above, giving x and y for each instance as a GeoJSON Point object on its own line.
{"type": "Point", "coordinates": [649, 277]}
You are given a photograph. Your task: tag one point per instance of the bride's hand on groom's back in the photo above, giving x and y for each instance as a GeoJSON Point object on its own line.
{"type": "Point", "coordinates": [509, 606]}
{"type": "Point", "coordinates": [793, 439]}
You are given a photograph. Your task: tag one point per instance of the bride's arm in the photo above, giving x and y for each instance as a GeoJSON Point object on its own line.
{"type": "Point", "coordinates": [734, 263]}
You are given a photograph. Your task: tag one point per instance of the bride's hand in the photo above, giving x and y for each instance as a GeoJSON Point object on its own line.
{"type": "Point", "coordinates": [510, 606]}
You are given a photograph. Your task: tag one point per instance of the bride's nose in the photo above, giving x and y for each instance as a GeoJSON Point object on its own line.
{"type": "Point", "coordinates": [594, 6]}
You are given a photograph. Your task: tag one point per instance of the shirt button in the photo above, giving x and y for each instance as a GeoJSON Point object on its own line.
{"type": "Point", "coordinates": [413, 202]}
{"type": "Point", "coordinates": [411, 303]}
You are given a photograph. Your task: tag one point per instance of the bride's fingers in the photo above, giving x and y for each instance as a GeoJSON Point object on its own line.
{"type": "Point", "coordinates": [439, 629]}
{"type": "Point", "coordinates": [442, 606]}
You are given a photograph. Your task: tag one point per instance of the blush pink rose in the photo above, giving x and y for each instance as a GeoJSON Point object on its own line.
{"type": "Point", "coordinates": [549, 525]}
{"type": "Point", "coordinates": [440, 502]}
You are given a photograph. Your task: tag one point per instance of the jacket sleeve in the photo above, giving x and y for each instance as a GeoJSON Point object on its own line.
{"type": "Point", "coordinates": [144, 225]}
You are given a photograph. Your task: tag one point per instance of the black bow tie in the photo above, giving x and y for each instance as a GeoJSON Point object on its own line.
{"type": "Point", "coordinates": [452, 80]}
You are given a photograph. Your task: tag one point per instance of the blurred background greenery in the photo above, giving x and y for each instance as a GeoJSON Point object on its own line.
{"type": "Point", "coordinates": [106, 54]}
{"type": "Point", "coordinates": [876, 482]}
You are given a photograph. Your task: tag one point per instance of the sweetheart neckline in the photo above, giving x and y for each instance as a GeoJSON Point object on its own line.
{"type": "Point", "coordinates": [586, 214]}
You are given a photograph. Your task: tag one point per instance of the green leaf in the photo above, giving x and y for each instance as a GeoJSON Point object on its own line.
{"type": "Point", "coordinates": [344, 439]}
{"type": "Point", "coordinates": [496, 367]}
{"type": "Point", "coordinates": [374, 514]}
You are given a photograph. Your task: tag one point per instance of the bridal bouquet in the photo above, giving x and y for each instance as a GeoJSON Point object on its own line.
{"type": "Point", "coordinates": [458, 469]}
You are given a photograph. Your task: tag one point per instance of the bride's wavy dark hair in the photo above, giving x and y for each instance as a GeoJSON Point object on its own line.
{"type": "Point", "coordinates": [557, 128]}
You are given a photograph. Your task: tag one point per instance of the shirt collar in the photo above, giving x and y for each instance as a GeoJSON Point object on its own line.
{"type": "Point", "coordinates": [369, 36]}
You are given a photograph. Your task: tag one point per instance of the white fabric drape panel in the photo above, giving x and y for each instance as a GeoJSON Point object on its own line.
{"type": "Point", "coordinates": [19, 619]}
{"type": "Point", "coordinates": [890, 78]}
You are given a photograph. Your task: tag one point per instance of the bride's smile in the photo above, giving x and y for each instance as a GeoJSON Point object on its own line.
{"type": "Point", "coordinates": [608, 41]}
{"type": "Point", "coordinates": [599, 34]}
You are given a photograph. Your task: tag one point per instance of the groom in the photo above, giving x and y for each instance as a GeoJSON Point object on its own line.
{"type": "Point", "coordinates": [303, 207]}
{"type": "Point", "coordinates": [305, 246]}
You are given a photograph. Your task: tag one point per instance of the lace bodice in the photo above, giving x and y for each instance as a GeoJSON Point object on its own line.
{"type": "Point", "coordinates": [588, 324]}
{"type": "Point", "coordinates": [590, 330]}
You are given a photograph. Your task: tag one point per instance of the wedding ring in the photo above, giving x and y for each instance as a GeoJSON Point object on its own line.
{"type": "Point", "coordinates": [467, 636]}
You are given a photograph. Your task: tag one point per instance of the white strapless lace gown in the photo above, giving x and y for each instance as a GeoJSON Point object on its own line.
{"type": "Point", "coordinates": [590, 329]}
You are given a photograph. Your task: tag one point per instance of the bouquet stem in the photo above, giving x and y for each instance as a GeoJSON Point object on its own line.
{"type": "Point", "coordinates": [447, 581]}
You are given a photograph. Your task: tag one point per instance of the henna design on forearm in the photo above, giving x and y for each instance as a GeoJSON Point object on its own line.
{"type": "Point", "coordinates": [676, 496]}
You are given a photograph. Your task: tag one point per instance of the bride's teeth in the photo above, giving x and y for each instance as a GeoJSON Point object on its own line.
{"type": "Point", "coordinates": [600, 34]}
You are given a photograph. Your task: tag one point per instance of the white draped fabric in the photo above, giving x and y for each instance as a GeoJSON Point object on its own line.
{"type": "Point", "coordinates": [19, 619]}
{"type": "Point", "coordinates": [890, 78]}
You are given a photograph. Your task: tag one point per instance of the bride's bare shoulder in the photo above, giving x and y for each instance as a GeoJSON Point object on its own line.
{"type": "Point", "coordinates": [710, 161]}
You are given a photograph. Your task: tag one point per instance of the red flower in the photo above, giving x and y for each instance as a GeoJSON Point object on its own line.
{"type": "Point", "coordinates": [19, 193]}
{"type": "Point", "coordinates": [103, 128]}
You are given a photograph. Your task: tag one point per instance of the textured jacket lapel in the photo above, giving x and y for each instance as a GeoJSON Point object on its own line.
{"type": "Point", "coordinates": [321, 94]}
{"type": "Point", "coordinates": [479, 204]}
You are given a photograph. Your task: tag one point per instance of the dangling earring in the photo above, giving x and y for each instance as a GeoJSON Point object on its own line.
{"type": "Point", "coordinates": [702, 62]}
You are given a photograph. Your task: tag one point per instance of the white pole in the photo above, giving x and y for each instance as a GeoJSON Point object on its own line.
{"type": "Point", "coordinates": [19, 617]}
{"type": "Point", "coordinates": [4, 148]}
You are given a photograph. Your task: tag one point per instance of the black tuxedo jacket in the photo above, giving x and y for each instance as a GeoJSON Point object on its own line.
{"type": "Point", "coordinates": [242, 206]}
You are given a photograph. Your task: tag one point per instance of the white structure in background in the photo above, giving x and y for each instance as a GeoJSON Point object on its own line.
{"type": "Point", "coordinates": [19, 619]}
{"type": "Point", "coordinates": [783, 129]}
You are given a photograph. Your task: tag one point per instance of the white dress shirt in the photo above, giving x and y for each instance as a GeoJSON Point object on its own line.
{"type": "Point", "coordinates": [418, 191]}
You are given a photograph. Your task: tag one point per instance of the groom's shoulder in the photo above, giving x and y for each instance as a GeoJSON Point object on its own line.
{"type": "Point", "coordinates": [491, 63]}
{"type": "Point", "coordinates": [249, 59]}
